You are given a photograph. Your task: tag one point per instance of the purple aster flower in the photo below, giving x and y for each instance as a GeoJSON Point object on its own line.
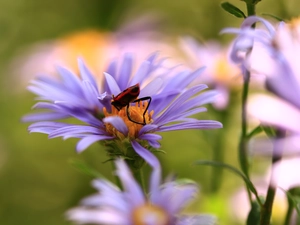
{"type": "Point", "coordinates": [274, 54]}
{"type": "Point", "coordinates": [247, 37]}
{"type": "Point", "coordinates": [90, 101]}
{"type": "Point", "coordinates": [130, 206]}
{"type": "Point", "coordinates": [219, 73]}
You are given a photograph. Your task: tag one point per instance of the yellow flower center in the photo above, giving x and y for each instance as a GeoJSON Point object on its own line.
{"type": "Point", "coordinates": [136, 114]}
{"type": "Point", "coordinates": [150, 214]}
{"type": "Point", "coordinates": [224, 71]}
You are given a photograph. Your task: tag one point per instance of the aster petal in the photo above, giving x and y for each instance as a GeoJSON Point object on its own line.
{"type": "Point", "coordinates": [183, 116]}
{"type": "Point", "coordinates": [91, 94]}
{"type": "Point", "coordinates": [154, 144]}
{"type": "Point", "coordinates": [150, 136]}
{"type": "Point", "coordinates": [152, 139]}
{"type": "Point", "coordinates": [118, 123]}
{"type": "Point", "coordinates": [174, 196]}
{"type": "Point", "coordinates": [145, 154]}
{"type": "Point", "coordinates": [147, 128]}
{"type": "Point", "coordinates": [43, 130]}
{"type": "Point", "coordinates": [76, 129]}
{"type": "Point", "coordinates": [49, 124]}
{"type": "Point", "coordinates": [112, 68]}
{"type": "Point", "coordinates": [151, 59]}
{"type": "Point", "coordinates": [160, 101]}
{"type": "Point", "coordinates": [45, 105]}
{"type": "Point", "coordinates": [199, 124]}
{"type": "Point", "coordinates": [265, 147]}
{"type": "Point", "coordinates": [88, 140]}
{"type": "Point", "coordinates": [283, 75]}
{"type": "Point", "coordinates": [177, 103]}
{"type": "Point", "coordinates": [45, 127]}
{"type": "Point", "coordinates": [135, 194]}
{"type": "Point", "coordinates": [191, 106]}
{"type": "Point", "coordinates": [81, 114]}
{"type": "Point", "coordinates": [140, 74]}
{"type": "Point", "coordinates": [112, 85]}
{"type": "Point", "coordinates": [125, 71]}
{"type": "Point", "coordinates": [250, 20]}
{"type": "Point", "coordinates": [44, 116]}
{"type": "Point", "coordinates": [182, 196]}
{"type": "Point", "coordinates": [105, 216]}
{"type": "Point", "coordinates": [86, 73]}
{"type": "Point", "coordinates": [154, 163]}
{"type": "Point", "coordinates": [48, 92]}
{"type": "Point", "coordinates": [49, 81]}
{"type": "Point", "coordinates": [197, 220]}
{"type": "Point", "coordinates": [109, 195]}
{"type": "Point", "coordinates": [283, 175]}
{"type": "Point", "coordinates": [203, 98]}
{"type": "Point", "coordinates": [70, 80]}
{"type": "Point", "coordinates": [152, 88]}
{"type": "Point", "coordinates": [269, 110]}
{"type": "Point", "coordinates": [182, 80]}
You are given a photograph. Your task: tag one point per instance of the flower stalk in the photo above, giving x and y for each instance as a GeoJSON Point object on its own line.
{"type": "Point", "coordinates": [266, 209]}
{"type": "Point", "coordinates": [139, 177]}
{"type": "Point", "coordinates": [243, 139]}
{"type": "Point", "coordinates": [243, 143]}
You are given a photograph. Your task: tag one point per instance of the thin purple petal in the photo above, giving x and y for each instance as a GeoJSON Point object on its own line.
{"type": "Point", "coordinates": [86, 73]}
{"type": "Point", "coordinates": [88, 140]}
{"type": "Point", "coordinates": [125, 71]}
{"type": "Point", "coordinates": [199, 124]}
{"type": "Point", "coordinates": [113, 87]}
{"type": "Point", "coordinates": [118, 123]}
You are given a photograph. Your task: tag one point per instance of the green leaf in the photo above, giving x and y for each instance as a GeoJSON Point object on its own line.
{"type": "Point", "coordinates": [86, 169]}
{"type": "Point", "coordinates": [235, 171]}
{"type": "Point", "coordinates": [270, 132]}
{"type": "Point", "coordinates": [254, 132]}
{"type": "Point", "coordinates": [254, 214]}
{"type": "Point", "coordinates": [157, 150]}
{"type": "Point", "coordinates": [233, 10]}
{"type": "Point", "coordinates": [294, 198]}
{"type": "Point", "coordinates": [273, 16]}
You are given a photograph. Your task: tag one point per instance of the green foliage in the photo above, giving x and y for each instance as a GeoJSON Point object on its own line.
{"type": "Point", "coordinates": [273, 16]}
{"type": "Point", "coordinates": [233, 10]}
{"type": "Point", "coordinates": [270, 132]}
{"type": "Point", "coordinates": [254, 214]}
{"type": "Point", "coordinates": [255, 131]}
{"type": "Point", "coordinates": [237, 172]}
{"type": "Point", "coordinates": [293, 196]}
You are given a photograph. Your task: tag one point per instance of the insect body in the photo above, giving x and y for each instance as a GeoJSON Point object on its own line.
{"type": "Point", "coordinates": [130, 95]}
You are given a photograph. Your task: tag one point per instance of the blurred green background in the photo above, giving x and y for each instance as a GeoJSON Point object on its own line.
{"type": "Point", "coordinates": [37, 182]}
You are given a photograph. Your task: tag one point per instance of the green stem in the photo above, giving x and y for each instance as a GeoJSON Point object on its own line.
{"type": "Point", "coordinates": [266, 210]}
{"type": "Point", "coordinates": [243, 143]}
{"type": "Point", "coordinates": [243, 156]}
{"type": "Point", "coordinates": [289, 214]}
{"type": "Point", "coordinates": [139, 177]}
{"type": "Point", "coordinates": [251, 9]}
